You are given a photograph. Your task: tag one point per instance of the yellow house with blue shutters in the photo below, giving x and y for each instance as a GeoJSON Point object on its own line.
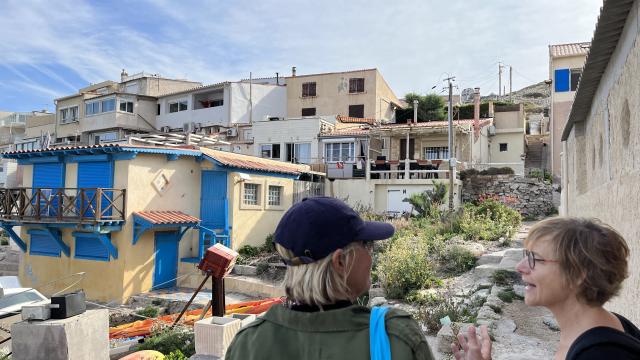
{"type": "Point", "coordinates": [135, 218]}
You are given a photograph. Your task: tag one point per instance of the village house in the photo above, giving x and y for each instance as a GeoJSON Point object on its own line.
{"type": "Point", "coordinates": [601, 139]}
{"type": "Point", "coordinates": [134, 217]}
{"type": "Point", "coordinates": [227, 109]}
{"type": "Point", "coordinates": [109, 111]}
{"type": "Point", "coordinates": [565, 68]}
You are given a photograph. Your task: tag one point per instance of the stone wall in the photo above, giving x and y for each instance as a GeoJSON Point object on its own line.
{"type": "Point", "coordinates": [532, 197]}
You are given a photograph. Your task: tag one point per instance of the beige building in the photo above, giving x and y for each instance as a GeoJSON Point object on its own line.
{"type": "Point", "coordinates": [108, 111]}
{"type": "Point", "coordinates": [565, 67]}
{"type": "Point", "coordinates": [359, 94]}
{"type": "Point", "coordinates": [601, 166]}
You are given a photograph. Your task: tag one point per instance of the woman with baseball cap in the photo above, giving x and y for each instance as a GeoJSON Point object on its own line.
{"type": "Point", "coordinates": [328, 250]}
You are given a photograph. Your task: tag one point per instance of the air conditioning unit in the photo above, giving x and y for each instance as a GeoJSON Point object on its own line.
{"type": "Point", "coordinates": [197, 127]}
{"type": "Point", "coordinates": [232, 132]}
{"type": "Point", "coordinates": [491, 130]}
{"type": "Point", "coordinates": [165, 129]}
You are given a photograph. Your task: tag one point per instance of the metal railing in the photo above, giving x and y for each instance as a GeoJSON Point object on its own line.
{"type": "Point", "coordinates": [71, 205]}
{"type": "Point", "coordinates": [303, 189]}
{"type": "Point", "coordinates": [416, 169]}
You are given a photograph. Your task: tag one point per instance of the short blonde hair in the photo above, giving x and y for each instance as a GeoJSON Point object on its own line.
{"type": "Point", "coordinates": [317, 283]}
{"type": "Point", "coordinates": [587, 250]}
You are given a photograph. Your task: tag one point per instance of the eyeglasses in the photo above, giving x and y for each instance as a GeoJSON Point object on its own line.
{"type": "Point", "coordinates": [531, 259]}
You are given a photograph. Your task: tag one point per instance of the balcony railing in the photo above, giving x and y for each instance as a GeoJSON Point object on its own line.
{"type": "Point", "coordinates": [62, 205]}
{"type": "Point", "coordinates": [409, 169]}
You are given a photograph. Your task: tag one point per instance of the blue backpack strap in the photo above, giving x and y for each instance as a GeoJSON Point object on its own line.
{"type": "Point", "coordinates": [379, 346]}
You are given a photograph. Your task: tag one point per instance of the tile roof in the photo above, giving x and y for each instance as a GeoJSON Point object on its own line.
{"type": "Point", "coordinates": [435, 124]}
{"type": "Point", "coordinates": [167, 217]}
{"type": "Point", "coordinates": [354, 120]}
{"type": "Point", "coordinates": [254, 162]}
{"type": "Point", "coordinates": [346, 132]}
{"type": "Point", "coordinates": [574, 49]}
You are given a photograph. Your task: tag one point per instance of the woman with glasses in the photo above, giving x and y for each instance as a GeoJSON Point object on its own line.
{"type": "Point", "coordinates": [328, 252]}
{"type": "Point", "coordinates": [572, 267]}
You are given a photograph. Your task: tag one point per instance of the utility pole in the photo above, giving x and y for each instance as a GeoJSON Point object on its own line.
{"type": "Point", "coordinates": [499, 79]}
{"type": "Point", "coordinates": [452, 159]}
{"type": "Point", "coordinates": [510, 81]}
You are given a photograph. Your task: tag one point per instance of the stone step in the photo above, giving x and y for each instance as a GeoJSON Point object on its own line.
{"type": "Point", "coordinates": [489, 259]}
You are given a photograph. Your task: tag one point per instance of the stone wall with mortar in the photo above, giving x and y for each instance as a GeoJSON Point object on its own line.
{"type": "Point", "coordinates": [532, 197]}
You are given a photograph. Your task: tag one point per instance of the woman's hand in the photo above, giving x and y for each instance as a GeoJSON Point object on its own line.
{"type": "Point", "coordinates": [473, 349]}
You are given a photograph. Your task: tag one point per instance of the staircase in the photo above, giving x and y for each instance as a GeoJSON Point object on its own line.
{"type": "Point", "coordinates": [537, 152]}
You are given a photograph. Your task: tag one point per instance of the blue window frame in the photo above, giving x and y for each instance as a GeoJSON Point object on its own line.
{"type": "Point", "coordinates": [562, 80]}
{"type": "Point", "coordinates": [42, 244]}
{"type": "Point", "coordinates": [89, 247]}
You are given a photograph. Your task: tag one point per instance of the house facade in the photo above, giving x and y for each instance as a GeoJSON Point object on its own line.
{"type": "Point", "coordinates": [12, 130]}
{"type": "Point", "coordinates": [358, 94]}
{"type": "Point", "coordinates": [565, 69]}
{"type": "Point", "coordinates": [601, 140]}
{"type": "Point", "coordinates": [135, 218]}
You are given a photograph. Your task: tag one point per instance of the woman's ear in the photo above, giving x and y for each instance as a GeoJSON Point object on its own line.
{"type": "Point", "coordinates": [337, 261]}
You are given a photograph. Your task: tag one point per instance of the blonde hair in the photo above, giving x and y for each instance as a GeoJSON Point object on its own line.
{"type": "Point", "coordinates": [593, 256]}
{"type": "Point", "coordinates": [318, 283]}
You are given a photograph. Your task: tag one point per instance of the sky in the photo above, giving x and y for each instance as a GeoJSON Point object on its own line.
{"type": "Point", "coordinates": [49, 51]}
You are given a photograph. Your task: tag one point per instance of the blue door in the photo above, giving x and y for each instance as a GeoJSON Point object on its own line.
{"type": "Point", "coordinates": [95, 174]}
{"type": "Point", "coordinates": [166, 264]}
{"type": "Point", "coordinates": [49, 177]}
{"type": "Point", "coordinates": [213, 205]}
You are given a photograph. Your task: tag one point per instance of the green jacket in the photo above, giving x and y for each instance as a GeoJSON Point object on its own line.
{"type": "Point", "coordinates": [286, 334]}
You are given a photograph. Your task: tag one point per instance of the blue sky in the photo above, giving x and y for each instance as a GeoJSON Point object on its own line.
{"type": "Point", "coordinates": [49, 51]}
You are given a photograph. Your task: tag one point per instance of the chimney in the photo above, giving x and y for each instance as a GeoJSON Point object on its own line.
{"type": "Point", "coordinates": [476, 104]}
{"type": "Point", "coordinates": [293, 71]}
{"type": "Point", "coordinates": [123, 75]}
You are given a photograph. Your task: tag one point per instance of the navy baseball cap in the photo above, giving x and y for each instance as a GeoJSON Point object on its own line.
{"type": "Point", "coordinates": [317, 226]}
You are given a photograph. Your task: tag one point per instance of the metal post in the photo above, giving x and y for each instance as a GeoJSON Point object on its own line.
{"type": "Point", "coordinates": [451, 157]}
{"type": "Point", "coordinates": [217, 297]}
{"type": "Point", "coordinates": [510, 81]}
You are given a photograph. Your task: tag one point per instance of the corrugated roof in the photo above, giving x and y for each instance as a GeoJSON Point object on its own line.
{"type": "Point", "coordinates": [565, 50]}
{"type": "Point", "coordinates": [613, 17]}
{"type": "Point", "coordinates": [167, 217]}
{"type": "Point", "coordinates": [355, 120]}
{"type": "Point", "coordinates": [123, 147]}
{"type": "Point", "coordinates": [254, 163]}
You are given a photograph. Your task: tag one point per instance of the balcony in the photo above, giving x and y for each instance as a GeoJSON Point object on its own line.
{"type": "Point", "coordinates": [409, 169]}
{"type": "Point", "coordinates": [63, 205]}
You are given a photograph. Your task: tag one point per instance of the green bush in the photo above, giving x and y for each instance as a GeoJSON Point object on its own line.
{"type": "Point", "coordinates": [169, 340]}
{"type": "Point", "coordinates": [489, 220]}
{"type": "Point", "coordinates": [268, 245]}
{"type": "Point", "coordinates": [405, 266]}
{"type": "Point", "coordinates": [176, 355]}
{"type": "Point", "coordinates": [497, 171]}
{"type": "Point", "coordinates": [148, 312]}
{"type": "Point", "coordinates": [429, 315]}
{"type": "Point", "coordinates": [457, 260]}
{"type": "Point", "coordinates": [4, 241]}
{"type": "Point", "coordinates": [508, 295]}
{"type": "Point", "coordinates": [426, 203]}
{"type": "Point", "coordinates": [249, 251]}
{"type": "Point", "coordinates": [505, 277]}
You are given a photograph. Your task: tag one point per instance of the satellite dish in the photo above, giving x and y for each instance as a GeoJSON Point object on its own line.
{"type": "Point", "coordinates": [466, 96]}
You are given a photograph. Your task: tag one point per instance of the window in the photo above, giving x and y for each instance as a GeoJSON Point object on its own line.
{"type": "Point", "coordinates": [436, 153]}
{"type": "Point", "coordinates": [503, 147]}
{"type": "Point", "coordinates": [68, 115]}
{"type": "Point", "coordinates": [308, 89]}
{"type": "Point", "coordinates": [248, 135]}
{"type": "Point", "coordinates": [251, 194]}
{"type": "Point", "coordinates": [299, 153]}
{"type": "Point", "coordinates": [105, 137]}
{"type": "Point", "coordinates": [308, 111]}
{"type": "Point", "coordinates": [178, 106]}
{"type": "Point", "coordinates": [89, 247]}
{"type": "Point", "coordinates": [158, 110]}
{"type": "Point", "coordinates": [356, 85]}
{"type": "Point", "coordinates": [339, 152]}
{"type": "Point", "coordinates": [575, 78]}
{"type": "Point", "coordinates": [356, 111]}
{"type": "Point", "coordinates": [108, 105]}
{"type": "Point", "coordinates": [92, 108]}
{"type": "Point", "coordinates": [270, 151]}
{"type": "Point", "coordinates": [561, 80]}
{"type": "Point", "coordinates": [126, 106]}
{"type": "Point", "coordinates": [215, 103]}
{"type": "Point", "coordinates": [42, 244]}
{"type": "Point", "coordinates": [275, 195]}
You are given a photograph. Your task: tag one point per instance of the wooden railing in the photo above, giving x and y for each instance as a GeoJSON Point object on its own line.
{"type": "Point", "coordinates": [70, 205]}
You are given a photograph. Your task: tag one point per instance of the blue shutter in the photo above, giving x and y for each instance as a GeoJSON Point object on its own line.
{"type": "Point", "coordinates": [213, 198]}
{"type": "Point", "coordinates": [89, 247]}
{"type": "Point", "coordinates": [49, 175]}
{"type": "Point", "coordinates": [95, 174]}
{"type": "Point", "coordinates": [562, 80]}
{"type": "Point", "coordinates": [42, 244]}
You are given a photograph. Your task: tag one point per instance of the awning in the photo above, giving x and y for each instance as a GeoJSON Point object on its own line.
{"type": "Point", "coordinates": [146, 220]}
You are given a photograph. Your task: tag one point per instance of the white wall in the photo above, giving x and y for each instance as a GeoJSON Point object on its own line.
{"type": "Point", "coordinates": [268, 100]}
{"type": "Point", "coordinates": [294, 130]}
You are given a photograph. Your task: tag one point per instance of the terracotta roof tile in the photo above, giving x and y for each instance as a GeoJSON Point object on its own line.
{"type": "Point", "coordinates": [167, 217]}
{"type": "Point", "coordinates": [254, 162]}
{"type": "Point", "coordinates": [435, 124]}
{"type": "Point", "coordinates": [101, 146]}
{"type": "Point", "coordinates": [354, 120]}
{"type": "Point", "coordinates": [564, 50]}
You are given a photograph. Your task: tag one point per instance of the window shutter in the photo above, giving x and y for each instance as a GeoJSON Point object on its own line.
{"type": "Point", "coordinates": [89, 247]}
